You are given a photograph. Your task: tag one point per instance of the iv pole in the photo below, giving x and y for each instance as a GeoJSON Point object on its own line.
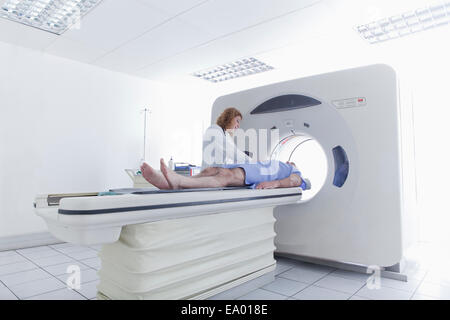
{"type": "Point", "coordinates": [145, 110]}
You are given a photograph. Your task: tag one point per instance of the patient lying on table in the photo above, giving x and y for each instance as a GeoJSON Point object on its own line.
{"type": "Point", "coordinates": [260, 175]}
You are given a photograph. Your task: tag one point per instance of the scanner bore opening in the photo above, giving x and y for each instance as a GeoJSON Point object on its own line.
{"type": "Point", "coordinates": [309, 157]}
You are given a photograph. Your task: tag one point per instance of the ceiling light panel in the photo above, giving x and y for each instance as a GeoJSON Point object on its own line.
{"type": "Point", "coordinates": [410, 22]}
{"type": "Point", "coordinates": [236, 69]}
{"type": "Point", "coordinates": [55, 16]}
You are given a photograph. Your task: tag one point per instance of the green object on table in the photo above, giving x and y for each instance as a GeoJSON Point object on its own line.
{"type": "Point", "coordinates": [108, 193]}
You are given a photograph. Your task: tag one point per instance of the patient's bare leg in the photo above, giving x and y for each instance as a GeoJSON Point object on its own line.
{"type": "Point", "coordinates": [224, 178]}
{"type": "Point", "coordinates": [207, 172]}
{"type": "Point", "coordinates": [155, 177]}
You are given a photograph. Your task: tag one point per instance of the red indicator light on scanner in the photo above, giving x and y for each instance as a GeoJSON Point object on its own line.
{"type": "Point", "coordinates": [360, 100]}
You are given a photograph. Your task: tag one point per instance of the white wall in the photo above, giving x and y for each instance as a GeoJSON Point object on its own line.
{"type": "Point", "coordinates": [177, 123]}
{"type": "Point", "coordinates": [426, 63]}
{"type": "Point", "coordinates": [64, 127]}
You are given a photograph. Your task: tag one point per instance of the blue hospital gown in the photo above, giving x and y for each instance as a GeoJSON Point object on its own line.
{"type": "Point", "coordinates": [261, 171]}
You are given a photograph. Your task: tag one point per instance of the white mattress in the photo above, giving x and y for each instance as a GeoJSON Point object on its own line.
{"type": "Point", "coordinates": [185, 258]}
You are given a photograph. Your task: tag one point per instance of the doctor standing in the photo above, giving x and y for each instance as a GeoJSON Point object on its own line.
{"type": "Point", "coordinates": [218, 144]}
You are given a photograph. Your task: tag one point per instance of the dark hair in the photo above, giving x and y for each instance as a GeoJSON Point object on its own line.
{"type": "Point", "coordinates": [225, 118]}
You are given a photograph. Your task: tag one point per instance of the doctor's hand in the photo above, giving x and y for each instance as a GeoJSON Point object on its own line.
{"type": "Point", "coordinates": [291, 163]}
{"type": "Point", "coordinates": [268, 185]}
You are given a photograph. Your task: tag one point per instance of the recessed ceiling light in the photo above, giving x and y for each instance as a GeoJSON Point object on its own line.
{"type": "Point", "coordinates": [55, 16]}
{"type": "Point", "coordinates": [236, 69]}
{"type": "Point", "coordinates": [410, 22]}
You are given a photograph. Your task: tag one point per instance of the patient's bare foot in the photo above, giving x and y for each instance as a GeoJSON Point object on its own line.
{"type": "Point", "coordinates": [155, 177]}
{"type": "Point", "coordinates": [172, 178]}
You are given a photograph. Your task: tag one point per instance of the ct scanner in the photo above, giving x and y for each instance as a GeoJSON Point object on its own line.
{"type": "Point", "coordinates": [364, 213]}
{"type": "Point", "coordinates": [197, 244]}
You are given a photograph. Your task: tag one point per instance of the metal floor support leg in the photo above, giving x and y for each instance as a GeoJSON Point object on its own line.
{"type": "Point", "coordinates": [395, 272]}
{"type": "Point", "coordinates": [392, 272]}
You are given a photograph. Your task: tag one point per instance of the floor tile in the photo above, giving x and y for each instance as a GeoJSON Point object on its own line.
{"type": "Point", "coordinates": [62, 245]}
{"type": "Point", "coordinates": [7, 253]}
{"type": "Point", "coordinates": [62, 294]}
{"type": "Point", "coordinates": [93, 263]}
{"type": "Point", "coordinates": [312, 267]}
{"type": "Point", "coordinates": [304, 265]}
{"type": "Point", "coordinates": [6, 294]}
{"type": "Point", "coordinates": [339, 284]}
{"type": "Point", "coordinates": [37, 287]}
{"type": "Point", "coordinates": [87, 275]}
{"type": "Point", "coordinates": [17, 267]}
{"type": "Point", "coordinates": [243, 288]}
{"type": "Point", "coordinates": [411, 285]}
{"type": "Point", "coordinates": [23, 277]}
{"type": "Point", "coordinates": [317, 293]}
{"type": "Point", "coordinates": [442, 278]}
{"type": "Point", "coordinates": [85, 254]}
{"type": "Point", "coordinates": [434, 290]}
{"type": "Point", "coordinates": [61, 269]}
{"type": "Point", "coordinates": [40, 254]}
{"type": "Point", "coordinates": [260, 294]}
{"type": "Point", "coordinates": [285, 287]}
{"type": "Point", "coordinates": [12, 258]}
{"type": "Point", "coordinates": [301, 275]}
{"type": "Point", "coordinates": [89, 290]}
{"type": "Point", "coordinates": [280, 268]}
{"type": "Point", "coordinates": [441, 265]}
{"type": "Point", "coordinates": [286, 261]}
{"type": "Point", "coordinates": [54, 260]}
{"type": "Point", "coordinates": [33, 249]}
{"type": "Point", "coordinates": [97, 247]}
{"type": "Point", "coordinates": [423, 297]}
{"type": "Point", "coordinates": [358, 298]}
{"type": "Point", "coordinates": [72, 249]}
{"type": "Point", "coordinates": [384, 293]}
{"type": "Point", "coordinates": [416, 274]}
{"type": "Point", "coordinates": [361, 277]}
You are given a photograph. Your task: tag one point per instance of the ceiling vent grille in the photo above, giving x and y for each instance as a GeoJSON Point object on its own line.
{"type": "Point", "coordinates": [407, 23]}
{"type": "Point", "coordinates": [55, 16]}
{"type": "Point", "coordinates": [236, 69]}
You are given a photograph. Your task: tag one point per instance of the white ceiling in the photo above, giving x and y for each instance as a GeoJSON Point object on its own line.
{"type": "Point", "coordinates": [159, 39]}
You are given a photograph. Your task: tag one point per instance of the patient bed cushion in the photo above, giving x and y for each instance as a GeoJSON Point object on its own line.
{"type": "Point", "coordinates": [184, 258]}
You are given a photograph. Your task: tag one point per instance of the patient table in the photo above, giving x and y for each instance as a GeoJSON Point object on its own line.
{"type": "Point", "coordinates": [190, 244]}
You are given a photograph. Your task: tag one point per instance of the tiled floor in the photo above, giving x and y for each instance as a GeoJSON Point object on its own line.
{"type": "Point", "coordinates": [40, 273]}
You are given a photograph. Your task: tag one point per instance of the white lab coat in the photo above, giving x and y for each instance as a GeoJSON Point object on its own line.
{"type": "Point", "coordinates": [219, 148]}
